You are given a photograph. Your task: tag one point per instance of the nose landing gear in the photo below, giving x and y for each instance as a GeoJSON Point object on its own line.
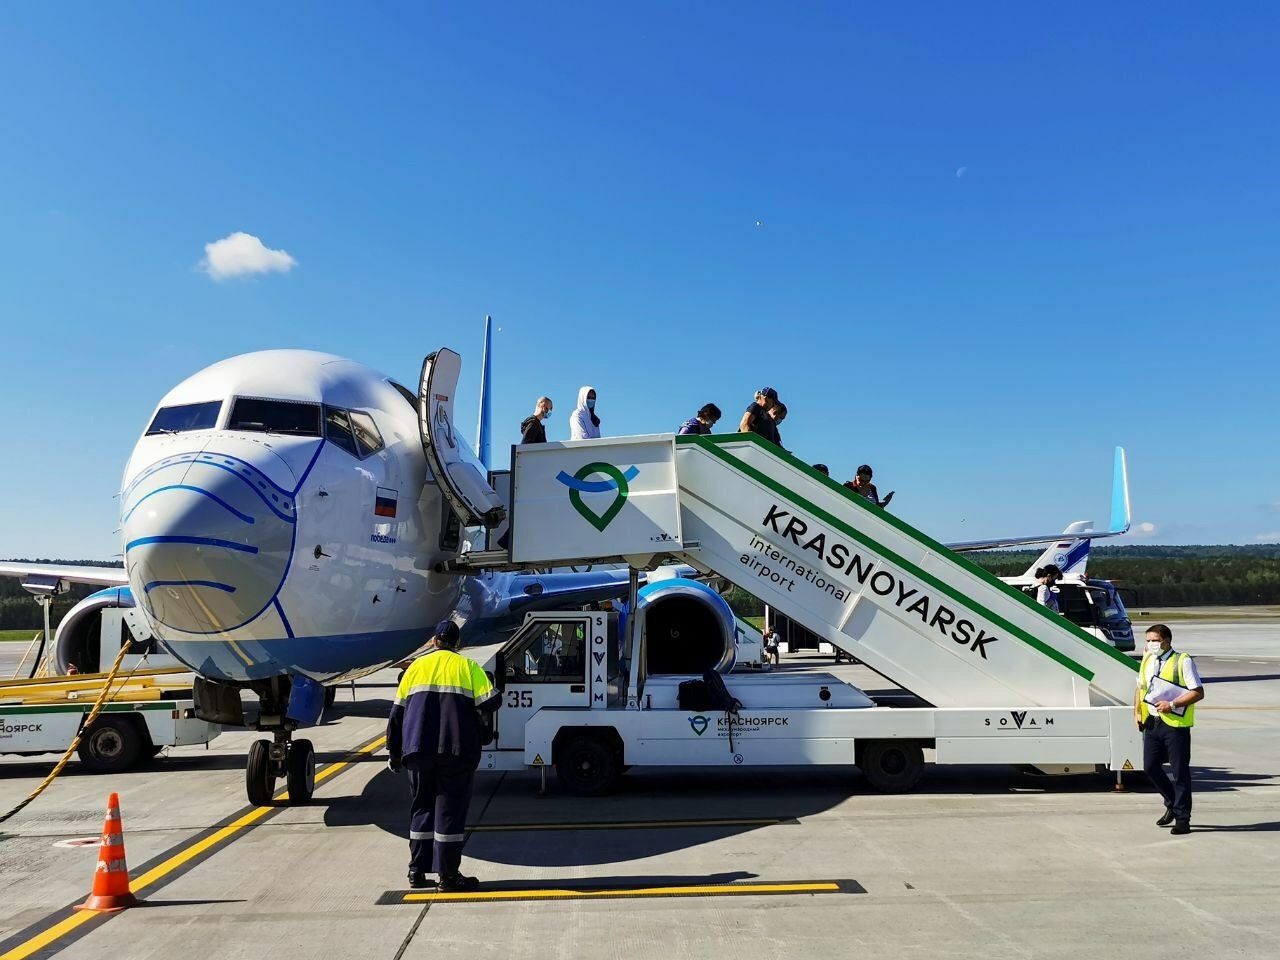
{"type": "Point", "coordinates": [294, 760]}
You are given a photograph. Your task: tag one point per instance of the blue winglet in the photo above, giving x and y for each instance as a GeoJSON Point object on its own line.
{"type": "Point", "coordinates": [1120, 515]}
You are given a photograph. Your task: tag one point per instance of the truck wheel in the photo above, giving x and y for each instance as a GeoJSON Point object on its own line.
{"type": "Point", "coordinates": [302, 771]}
{"type": "Point", "coordinates": [586, 766]}
{"type": "Point", "coordinates": [892, 766]}
{"type": "Point", "coordinates": [112, 744]}
{"type": "Point", "coordinates": [259, 779]}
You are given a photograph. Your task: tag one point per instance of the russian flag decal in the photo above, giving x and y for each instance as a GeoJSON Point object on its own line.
{"type": "Point", "coordinates": [384, 505]}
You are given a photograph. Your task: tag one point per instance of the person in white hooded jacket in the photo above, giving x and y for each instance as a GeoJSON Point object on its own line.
{"type": "Point", "coordinates": [583, 422]}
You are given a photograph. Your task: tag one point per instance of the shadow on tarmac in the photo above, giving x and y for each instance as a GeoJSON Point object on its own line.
{"type": "Point", "coordinates": [1270, 826]}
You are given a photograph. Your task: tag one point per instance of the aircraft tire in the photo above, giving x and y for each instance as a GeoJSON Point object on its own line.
{"type": "Point", "coordinates": [891, 766]}
{"type": "Point", "coordinates": [587, 766]}
{"type": "Point", "coordinates": [112, 744]}
{"type": "Point", "coordinates": [330, 697]}
{"type": "Point", "coordinates": [302, 772]}
{"type": "Point", "coordinates": [259, 780]}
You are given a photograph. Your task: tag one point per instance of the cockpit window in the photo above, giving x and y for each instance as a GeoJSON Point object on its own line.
{"type": "Point", "coordinates": [366, 431]}
{"type": "Point", "coordinates": [187, 416]}
{"type": "Point", "coordinates": [337, 430]}
{"type": "Point", "coordinates": [275, 416]}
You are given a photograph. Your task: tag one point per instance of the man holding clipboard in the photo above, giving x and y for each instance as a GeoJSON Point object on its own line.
{"type": "Point", "coordinates": [1168, 688]}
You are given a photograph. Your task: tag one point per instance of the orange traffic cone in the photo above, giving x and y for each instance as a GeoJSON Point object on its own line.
{"type": "Point", "coordinates": [111, 878]}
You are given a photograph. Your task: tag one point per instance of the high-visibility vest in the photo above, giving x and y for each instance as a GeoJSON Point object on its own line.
{"type": "Point", "coordinates": [1172, 670]}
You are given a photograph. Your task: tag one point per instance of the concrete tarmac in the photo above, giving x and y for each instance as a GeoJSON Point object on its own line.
{"type": "Point", "coordinates": [978, 862]}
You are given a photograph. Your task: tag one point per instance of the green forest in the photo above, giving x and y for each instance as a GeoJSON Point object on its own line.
{"type": "Point", "coordinates": [1150, 576]}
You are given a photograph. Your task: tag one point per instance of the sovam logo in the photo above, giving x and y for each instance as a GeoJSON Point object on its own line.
{"type": "Point", "coordinates": [699, 724]}
{"type": "Point", "coordinates": [1019, 721]}
{"type": "Point", "coordinates": [618, 481]}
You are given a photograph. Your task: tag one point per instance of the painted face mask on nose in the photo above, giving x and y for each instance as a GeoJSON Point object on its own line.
{"type": "Point", "coordinates": [1154, 646]}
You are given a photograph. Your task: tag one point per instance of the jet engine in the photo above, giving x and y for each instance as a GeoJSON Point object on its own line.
{"type": "Point", "coordinates": [689, 628]}
{"type": "Point", "coordinates": [78, 638]}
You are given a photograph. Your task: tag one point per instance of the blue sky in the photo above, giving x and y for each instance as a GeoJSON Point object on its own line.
{"type": "Point", "coordinates": [973, 245]}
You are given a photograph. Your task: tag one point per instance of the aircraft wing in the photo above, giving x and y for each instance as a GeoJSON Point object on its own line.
{"type": "Point", "coordinates": [1120, 517]}
{"type": "Point", "coordinates": [99, 576]}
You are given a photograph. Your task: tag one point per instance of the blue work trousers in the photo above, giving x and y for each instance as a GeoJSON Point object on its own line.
{"type": "Point", "coordinates": [440, 792]}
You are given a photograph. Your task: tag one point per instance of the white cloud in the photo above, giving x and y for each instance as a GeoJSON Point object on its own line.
{"type": "Point", "coordinates": [240, 254]}
{"type": "Point", "coordinates": [1144, 529]}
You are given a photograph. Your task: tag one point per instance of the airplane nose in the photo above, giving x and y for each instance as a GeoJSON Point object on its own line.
{"type": "Point", "coordinates": [209, 535]}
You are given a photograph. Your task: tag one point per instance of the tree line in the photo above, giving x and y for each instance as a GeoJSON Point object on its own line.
{"type": "Point", "coordinates": [1150, 576]}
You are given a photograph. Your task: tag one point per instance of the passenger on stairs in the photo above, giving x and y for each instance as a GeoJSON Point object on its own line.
{"type": "Point", "coordinates": [764, 396]}
{"type": "Point", "coordinates": [765, 423]}
{"type": "Point", "coordinates": [861, 485]}
{"type": "Point", "coordinates": [531, 428]}
{"type": "Point", "coordinates": [701, 422]}
{"type": "Point", "coordinates": [1047, 593]}
{"type": "Point", "coordinates": [583, 422]}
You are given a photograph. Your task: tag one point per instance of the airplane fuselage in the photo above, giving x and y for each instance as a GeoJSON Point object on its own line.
{"type": "Point", "coordinates": [279, 518]}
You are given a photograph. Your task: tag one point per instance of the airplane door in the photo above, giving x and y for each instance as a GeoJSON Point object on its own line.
{"type": "Point", "coordinates": [464, 483]}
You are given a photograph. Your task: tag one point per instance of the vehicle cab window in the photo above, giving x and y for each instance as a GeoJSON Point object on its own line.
{"type": "Point", "coordinates": [554, 652]}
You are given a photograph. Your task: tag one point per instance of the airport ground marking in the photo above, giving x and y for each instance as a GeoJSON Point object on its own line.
{"type": "Point", "coordinates": [27, 944]}
{"type": "Point", "coordinates": [570, 892]}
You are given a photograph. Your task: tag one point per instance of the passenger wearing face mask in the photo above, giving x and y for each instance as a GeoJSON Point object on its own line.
{"type": "Point", "coordinates": [531, 428]}
{"type": "Point", "coordinates": [1164, 706]}
{"type": "Point", "coordinates": [583, 422]}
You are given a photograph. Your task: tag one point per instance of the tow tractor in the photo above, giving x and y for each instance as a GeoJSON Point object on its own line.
{"type": "Point", "coordinates": [147, 710]}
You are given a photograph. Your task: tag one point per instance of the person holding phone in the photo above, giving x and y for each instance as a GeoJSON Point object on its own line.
{"type": "Point", "coordinates": [861, 485]}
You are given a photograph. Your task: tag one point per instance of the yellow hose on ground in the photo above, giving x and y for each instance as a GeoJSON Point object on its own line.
{"type": "Point", "coordinates": [103, 697]}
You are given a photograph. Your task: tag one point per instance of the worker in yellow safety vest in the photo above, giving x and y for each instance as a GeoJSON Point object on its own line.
{"type": "Point", "coordinates": [1169, 687]}
{"type": "Point", "coordinates": [435, 732]}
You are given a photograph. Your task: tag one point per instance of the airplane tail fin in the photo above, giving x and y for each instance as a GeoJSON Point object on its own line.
{"type": "Point", "coordinates": [1121, 516]}
{"type": "Point", "coordinates": [483, 426]}
{"type": "Point", "coordinates": [1070, 554]}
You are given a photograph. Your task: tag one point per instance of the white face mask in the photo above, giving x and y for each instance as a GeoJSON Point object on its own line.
{"type": "Point", "coordinates": [1154, 647]}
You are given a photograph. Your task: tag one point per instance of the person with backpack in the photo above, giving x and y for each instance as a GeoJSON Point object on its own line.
{"type": "Point", "coordinates": [532, 429]}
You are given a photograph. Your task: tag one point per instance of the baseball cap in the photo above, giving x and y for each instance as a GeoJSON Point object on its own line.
{"type": "Point", "coordinates": [446, 630]}
{"type": "Point", "coordinates": [768, 393]}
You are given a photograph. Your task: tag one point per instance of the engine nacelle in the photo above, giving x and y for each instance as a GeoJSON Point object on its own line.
{"type": "Point", "coordinates": [689, 628]}
{"type": "Point", "coordinates": [78, 639]}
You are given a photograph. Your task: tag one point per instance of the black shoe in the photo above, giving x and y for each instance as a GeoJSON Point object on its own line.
{"type": "Point", "coordinates": [457, 883]}
{"type": "Point", "coordinates": [1181, 827]}
{"type": "Point", "coordinates": [418, 880]}
{"type": "Point", "coordinates": [1166, 819]}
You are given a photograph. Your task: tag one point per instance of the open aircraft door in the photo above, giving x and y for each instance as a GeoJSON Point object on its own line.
{"type": "Point", "coordinates": [463, 481]}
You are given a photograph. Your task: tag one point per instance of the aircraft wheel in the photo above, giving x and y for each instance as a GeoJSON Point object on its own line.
{"type": "Point", "coordinates": [259, 779]}
{"type": "Point", "coordinates": [302, 772]}
{"type": "Point", "coordinates": [892, 766]}
{"type": "Point", "coordinates": [111, 745]}
{"type": "Point", "coordinates": [330, 696]}
{"type": "Point", "coordinates": [586, 766]}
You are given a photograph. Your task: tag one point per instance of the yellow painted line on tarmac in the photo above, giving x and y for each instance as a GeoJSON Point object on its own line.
{"type": "Point", "coordinates": [696, 890]}
{"type": "Point", "coordinates": [46, 937]}
{"type": "Point", "coordinates": [65, 926]}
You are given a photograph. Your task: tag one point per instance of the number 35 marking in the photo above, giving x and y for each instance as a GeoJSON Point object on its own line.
{"type": "Point", "coordinates": [519, 698]}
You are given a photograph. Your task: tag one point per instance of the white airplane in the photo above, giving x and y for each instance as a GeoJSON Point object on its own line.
{"type": "Point", "coordinates": [287, 516]}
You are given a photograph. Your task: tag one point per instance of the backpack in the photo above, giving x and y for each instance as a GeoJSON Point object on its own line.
{"type": "Point", "coordinates": [709, 694]}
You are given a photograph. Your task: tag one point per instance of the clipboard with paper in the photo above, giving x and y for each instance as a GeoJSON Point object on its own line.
{"type": "Point", "coordinates": [1161, 689]}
